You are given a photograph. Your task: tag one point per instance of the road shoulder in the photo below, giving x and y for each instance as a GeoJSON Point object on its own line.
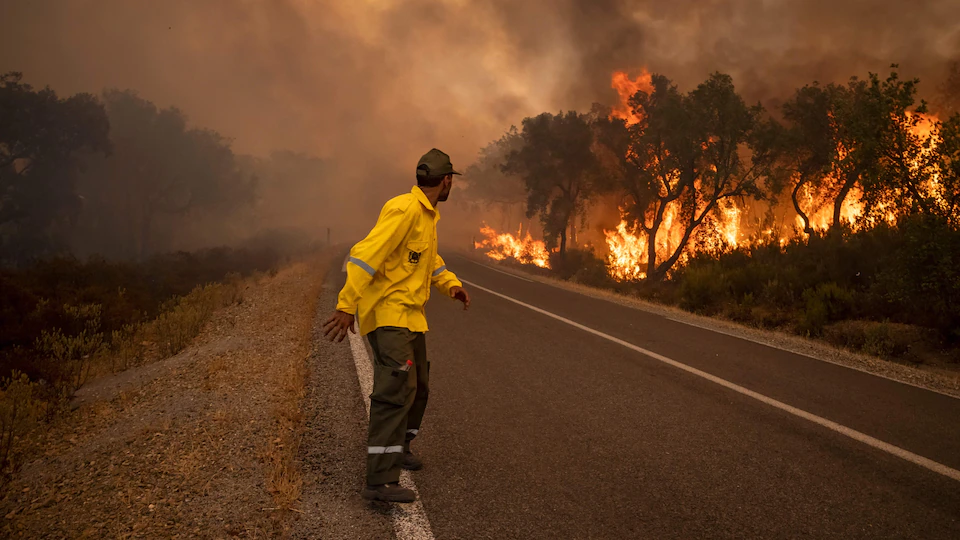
{"type": "Point", "coordinates": [334, 444]}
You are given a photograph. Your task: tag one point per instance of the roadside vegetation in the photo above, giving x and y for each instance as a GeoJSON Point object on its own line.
{"type": "Point", "coordinates": [65, 321]}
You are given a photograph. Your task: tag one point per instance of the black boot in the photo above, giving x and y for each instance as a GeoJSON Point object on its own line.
{"type": "Point", "coordinates": [389, 493]}
{"type": "Point", "coordinates": [410, 462]}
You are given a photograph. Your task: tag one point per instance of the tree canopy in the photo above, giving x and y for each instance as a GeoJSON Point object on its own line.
{"type": "Point", "coordinates": [43, 139]}
{"type": "Point", "coordinates": [559, 169]}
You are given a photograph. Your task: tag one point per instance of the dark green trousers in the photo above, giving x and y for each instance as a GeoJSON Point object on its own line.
{"type": "Point", "coordinates": [398, 400]}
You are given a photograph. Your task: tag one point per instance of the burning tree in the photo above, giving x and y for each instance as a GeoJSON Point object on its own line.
{"type": "Point", "coordinates": [947, 195]}
{"type": "Point", "coordinates": [679, 158]}
{"type": "Point", "coordinates": [559, 170]}
{"type": "Point", "coordinates": [860, 150]}
{"type": "Point", "coordinates": [808, 146]}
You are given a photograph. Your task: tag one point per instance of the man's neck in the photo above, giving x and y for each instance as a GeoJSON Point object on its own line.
{"type": "Point", "coordinates": [432, 193]}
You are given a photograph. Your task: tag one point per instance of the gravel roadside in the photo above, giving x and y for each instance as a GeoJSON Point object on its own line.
{"type": "Point", "coordinates": [334, 442]}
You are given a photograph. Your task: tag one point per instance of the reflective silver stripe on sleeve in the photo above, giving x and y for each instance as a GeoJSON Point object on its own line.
{"type": "Point", "coordinates": [384, 449]}
{"type": "Point", "coordinates": [414, 431]}
{"type": "Point", "coordinates": [366, 267]}
{"type": "Point", "coordinates": [439, 271]}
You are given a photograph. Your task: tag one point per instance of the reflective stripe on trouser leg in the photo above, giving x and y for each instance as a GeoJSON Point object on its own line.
{"type": "Point", "coordinates": [384, 449]}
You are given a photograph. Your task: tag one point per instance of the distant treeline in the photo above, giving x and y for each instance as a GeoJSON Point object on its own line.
{"type": "Point", "coordinates": [114, 175]}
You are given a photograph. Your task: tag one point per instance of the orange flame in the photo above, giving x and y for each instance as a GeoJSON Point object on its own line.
{"type": "Point", "coordinates": [626, 88]}
{"type": "Point", "coordinates": [627, 259]}
{"type": "Point", "coordinates": [523, 249]}
{"type": "Point", "coordinates": [627, 244]}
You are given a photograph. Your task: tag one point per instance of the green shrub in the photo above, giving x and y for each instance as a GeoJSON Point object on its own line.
{"type": "Point", "coordinates": [742, 311]}
{"type": "Point", "coordinates": [824, 304]}
{"type": "Point", "coordinates": [580, 266]}
{"type": "Point", "coordinates": [33, 299]}
{"type": "Point", "coordinates": [702, 290]}
{"type": "Point", "coordinates": [883, 339]}
{"type": "Point", "coordinates": [66, 358]}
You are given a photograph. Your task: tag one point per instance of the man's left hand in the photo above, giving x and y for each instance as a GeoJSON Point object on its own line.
{"type": "Point", "coordinates": [461, 294]}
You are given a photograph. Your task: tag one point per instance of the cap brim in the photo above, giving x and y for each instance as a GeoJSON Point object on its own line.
{"type": "Point", "coordinates": [455, 172]}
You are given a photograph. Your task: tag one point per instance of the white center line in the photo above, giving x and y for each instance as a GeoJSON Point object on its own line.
{"type": "Point", "coordinates": [934, 466]}
{"type": "Point", "coordinates": [409, 520]}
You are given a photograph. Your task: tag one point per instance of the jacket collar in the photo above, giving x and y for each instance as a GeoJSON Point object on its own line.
{"type": "Point", "coordinates": [422, 197]}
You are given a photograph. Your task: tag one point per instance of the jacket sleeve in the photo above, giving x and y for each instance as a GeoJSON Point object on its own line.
{"type": "Point", "coordinates": [442, 278]}
{"type": "Point", "coordinates": [370, 253]}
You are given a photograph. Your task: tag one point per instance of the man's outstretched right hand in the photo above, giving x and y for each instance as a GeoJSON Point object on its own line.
{"type": "Point", "coordinates": [337, 325]}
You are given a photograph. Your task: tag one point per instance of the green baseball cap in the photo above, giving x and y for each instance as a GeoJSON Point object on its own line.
{"type": "Point", "coordinates": [435, 163]}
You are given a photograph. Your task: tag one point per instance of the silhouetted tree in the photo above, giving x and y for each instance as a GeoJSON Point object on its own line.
{"type": "Point", "coordinates": [160, 170]}
{"type": "Point", "coordinates": [808, 144]}
{"type": "Point", "coordinates": [559, 169]}
{"type": "Point", "coordinates": [866, 136]}
{"type": "Point", "coordinates": [42, 140]}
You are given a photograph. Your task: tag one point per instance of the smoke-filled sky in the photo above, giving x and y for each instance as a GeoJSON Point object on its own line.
{"type": "Point", "coordinates": [372, 84]}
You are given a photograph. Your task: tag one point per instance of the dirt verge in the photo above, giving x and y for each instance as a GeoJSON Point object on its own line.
{"type": "Point", "coordinates": [203, 444]}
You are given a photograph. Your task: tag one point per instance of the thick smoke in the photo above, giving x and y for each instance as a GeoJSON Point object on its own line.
{"type": "Point", "coordinates": [370, 85]}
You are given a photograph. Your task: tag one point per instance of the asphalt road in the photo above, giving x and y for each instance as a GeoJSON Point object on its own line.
{"type": "Point", "coordinates": [538, 429]}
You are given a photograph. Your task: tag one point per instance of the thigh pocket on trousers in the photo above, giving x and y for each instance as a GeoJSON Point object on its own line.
{"type": "Point", "coordinates": [391, 385]}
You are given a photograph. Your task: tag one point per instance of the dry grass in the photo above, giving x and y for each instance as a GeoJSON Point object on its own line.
{"type": "Point", "coordinates": [203, 444]}
{"type": "Point", "coordinates": [183, 318]}
{"type": "Point", "coordinates": [285, 479]}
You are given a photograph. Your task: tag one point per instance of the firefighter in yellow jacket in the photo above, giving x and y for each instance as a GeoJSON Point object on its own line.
{"type": "Point", "coordinates": [389, 274]}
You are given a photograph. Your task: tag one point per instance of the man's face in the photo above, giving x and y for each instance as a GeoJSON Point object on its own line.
{"type": "Point", "coordinates": [445, 187]}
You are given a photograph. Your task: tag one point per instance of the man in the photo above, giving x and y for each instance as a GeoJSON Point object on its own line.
{"type": "Point", "coordinates": [389, 274]}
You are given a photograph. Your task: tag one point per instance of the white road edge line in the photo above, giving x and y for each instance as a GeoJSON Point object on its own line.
{"type": "Point", "coordinates": [926, 463]}
{"type": "Point", "coordinates": [488, 267]}
{"type": "Point", "coordinates": [409, 520]}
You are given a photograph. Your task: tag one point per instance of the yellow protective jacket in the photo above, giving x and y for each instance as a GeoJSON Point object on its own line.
{"type": "Point", "coordinates": [390, 271]}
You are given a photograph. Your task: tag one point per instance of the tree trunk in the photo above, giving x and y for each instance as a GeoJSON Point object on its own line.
{"type": "Point", "coordinates": [838, 202]}
{"type": "Point", "coordinates": [796, 206]}
{"type": "Point", "coordinates": [652, 242]}
{"type": "Point", "coordinates": [563, 242]}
